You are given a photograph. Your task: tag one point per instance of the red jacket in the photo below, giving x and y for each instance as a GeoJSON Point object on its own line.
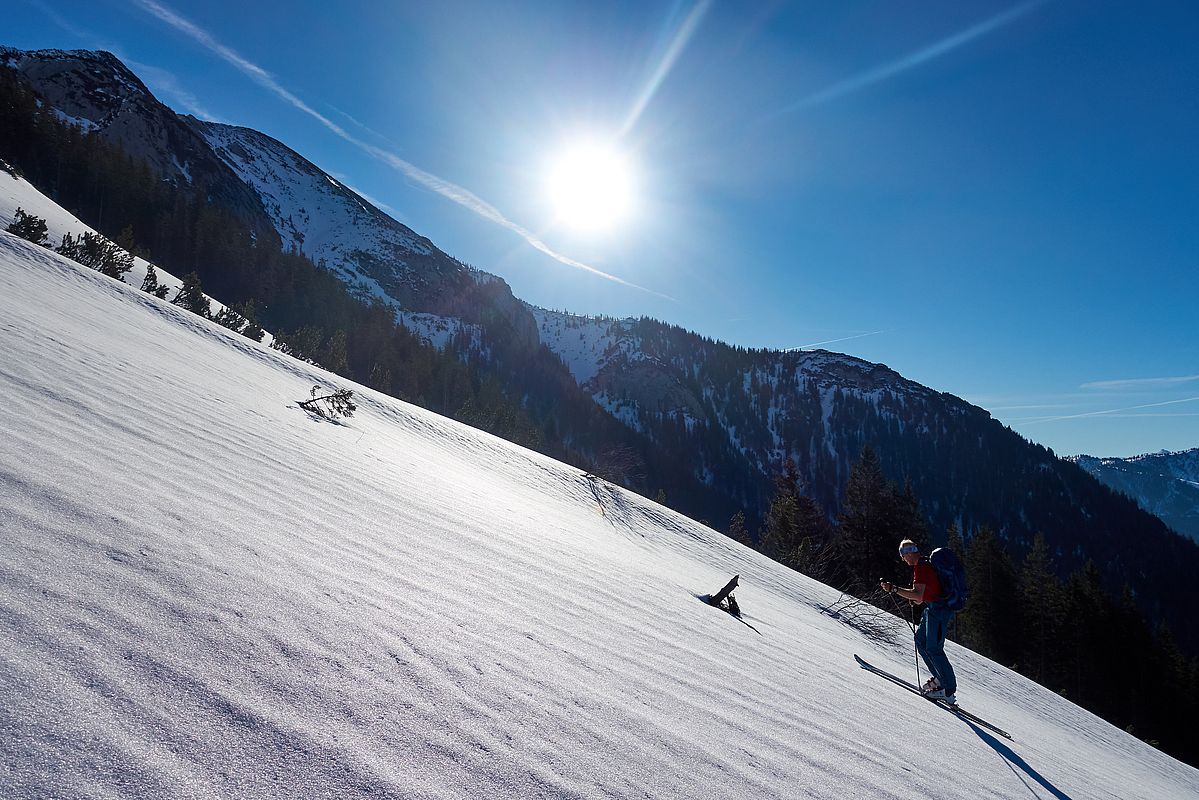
{"type": "Point", "coordinates": [924, 573]}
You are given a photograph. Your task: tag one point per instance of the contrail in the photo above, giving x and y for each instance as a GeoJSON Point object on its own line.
{"type": "Point", "coordinates": [1133, 383]}
{"type": "Point", "coordinates": [165, 83]}
{"type": "Point", "coordinates": [882, 73]}
{"type": "Point", "coordinates": [832, 341]}
{"type": "Point", "coordinates": [445, 188]}
{"type": "Point", "coordinates": [678, 44]}
{"type": "Point", "coordinates": [1037, 420]}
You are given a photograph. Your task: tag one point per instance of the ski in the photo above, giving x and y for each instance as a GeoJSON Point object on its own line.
{"type": "Point", "coordinates": [953, 708]}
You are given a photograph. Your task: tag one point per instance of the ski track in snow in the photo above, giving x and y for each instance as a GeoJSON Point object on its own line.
{"type": "Point", "coordinates": [208, 593]}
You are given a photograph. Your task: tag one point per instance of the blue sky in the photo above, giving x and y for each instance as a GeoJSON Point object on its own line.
{"type": "Point", "coordinates": [996, 199]}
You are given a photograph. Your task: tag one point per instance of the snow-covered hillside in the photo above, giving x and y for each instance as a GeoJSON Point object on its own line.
{"type": "Point", "coordinates": [16, 192]}
{"type": "Point", "coordinates": [206, 592]}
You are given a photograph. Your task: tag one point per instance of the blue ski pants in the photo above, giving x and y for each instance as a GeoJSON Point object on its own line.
{"type": "Point", "coordinates": [930, 643]}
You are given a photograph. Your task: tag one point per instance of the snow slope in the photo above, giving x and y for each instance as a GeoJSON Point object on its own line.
{"type": "Point", "coordinates": [207, 593]}
{"type": "Point", "coordinates": [17, 193]}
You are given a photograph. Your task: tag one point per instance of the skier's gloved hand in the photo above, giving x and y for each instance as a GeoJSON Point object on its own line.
{"type": "Point", "coordinates": [886, 586]}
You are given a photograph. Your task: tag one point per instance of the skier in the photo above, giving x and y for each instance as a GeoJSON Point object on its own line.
{"type": "Point", "coordinates": [930, 636]}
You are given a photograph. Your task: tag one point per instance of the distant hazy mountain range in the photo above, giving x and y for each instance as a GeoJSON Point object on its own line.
{"type": "Point", "coordinates": [1165, 484]}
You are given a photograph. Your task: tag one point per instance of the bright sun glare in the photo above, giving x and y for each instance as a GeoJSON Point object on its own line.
{"type": "Point", "coordinates": [590, 187]}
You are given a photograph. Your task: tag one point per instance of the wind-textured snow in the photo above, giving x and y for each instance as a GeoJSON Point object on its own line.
{"type": "Point", "coordinates": [205, 592]}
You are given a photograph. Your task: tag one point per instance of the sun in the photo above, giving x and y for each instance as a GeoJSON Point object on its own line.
{"type": "Point", "coordinates": [590, 187]}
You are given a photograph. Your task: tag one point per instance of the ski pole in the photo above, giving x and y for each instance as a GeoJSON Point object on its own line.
{"type": "Point", "coordinates": [912, 626]}
{"type": "Point", "coordinates": [916, 657]}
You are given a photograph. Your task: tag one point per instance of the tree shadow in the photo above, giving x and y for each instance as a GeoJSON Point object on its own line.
{"type": "Point", "coordinates": [1014, 760]}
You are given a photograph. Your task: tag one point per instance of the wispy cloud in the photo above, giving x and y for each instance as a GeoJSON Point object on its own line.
{"type": "Point", "coordinates": [678, 43]}
{"type": "Point", "coordinates": [445, 188]}
{"type": "Point", "coordinates": [833, 341]}
{"type": "Point", "coordinates": [922, 56]}
{"type": "Point", "coordinates": [1141, 383]}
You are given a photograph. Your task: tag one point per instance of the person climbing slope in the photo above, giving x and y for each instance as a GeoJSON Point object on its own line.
{"type": "Point", "coordinates": [930, 635]}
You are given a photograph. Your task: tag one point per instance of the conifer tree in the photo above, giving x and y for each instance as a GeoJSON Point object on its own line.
{"type": "Point", "coordinates": [1040, 605]}
{"type": "Point", "coordinates": [230, 319]}
{"type": "Point", "coordinates": [737, 530]}
{"type": "Point", "coordinates": [127, 243]}
{"type": "Point", "coordinates": [29, 227]}
{"type": "Point", "coordinates": [253, 330]}
{"type": "Point", "coordinates": [873, 520]}
{"type": "Point", "coordinates": [955, 542]}
{"type": "Point", "coordinates": [988, 624]}
{"type": "Point", "coordinates": [1085, 637]}
{"type": "Point", "coordinates": [150, 283]}
{"type": "Point", "coordinates": [333, 355]}
{"type": "Point", "coordinates": [191, 296]}
{"type": "Point", "coordinates": [380, 377]}
{"type": "Point", "coordinates": [794, 532]}
{"type": "Point", "coordinates": [94, 251]}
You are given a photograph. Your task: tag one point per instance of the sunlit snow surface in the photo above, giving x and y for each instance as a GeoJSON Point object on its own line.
{"type": "Point", "coordinates": [205, 592]}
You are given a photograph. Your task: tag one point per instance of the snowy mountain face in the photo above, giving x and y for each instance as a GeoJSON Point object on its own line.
{"type": "Point", "coordinates": [209, 593]}
{"type": "Point", "coordinates": [313, 213]}
{"type": "Point", "coordinates": [765, 405]}
{"type": "Point", "coordinates": [379, 259]}
{"type": "Point", "coordinates": [97, 93]}
{"type": "Point", "coordinates": [1165, 484]}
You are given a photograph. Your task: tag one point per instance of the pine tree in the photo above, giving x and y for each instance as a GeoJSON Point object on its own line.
{"type": "Point", "coordinates": [29, 227]}
{"type": "Point", "coordinates": [150, 283]}
{"type": "Point", "coordinates": [191, 296]}
{"type": "Point", "coordinates": [127, 243]}
{"type": "Point", "coordinates": [230, 319]}
{"type": "Point", "coordinates": [94, 251]}
{"type": "Point", "coordinates": [737, 531]}
{"type": "Point", "coordinates": [333, 355]}
{"type": "Point", "coordinates": [955, 542]}
{"type": "Point", "coordinates": [988, 624]}
{"type": "Point", "coordinates": [1085, 638]}
{"type": "Point", "coordinates": [1041, 617]}
{"type": "Point", "coordinates": [253, 330]}
{"type": "Point", "coordinates": [794, 532]}
{"type": "Point", "coordinates": [380, 377]}
{"type": "Point", "coordinates": [873, 520]}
